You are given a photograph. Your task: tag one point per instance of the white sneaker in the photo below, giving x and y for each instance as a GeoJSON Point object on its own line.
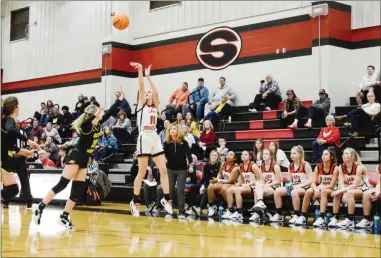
{"type": "Point", "coordinates": [260, 206]}
{"type": "Point", "coordinates": [332, 223]}
{"type": "Point", "coordinates": [255, 217]}
{"type": "Point", "coordinates": [36, 214]}
{"type": "Point", "coordinates": [319, 222]}
{"type": "Point", "coordinates": [196, 210]}
{"type": "Point", "coordinates": [346, 223]}
{"type": "Point", "coordinates": [293, 219]}
{"type": "Point", "coordinates": [190, 212]}
{"type": "Point", "coordinates": [268, 109]}
{"type": "Point", "coordinates": [181, 216]}
{"type": "Point", "coordinates": [301, 220]}
{"type": "Point", "coordinates": [236, 216]}
{"type": "Point", "coordinates": [134, 209]}
{"type": "Point", "coordinates": [212, 210]}
{"type": "Point", "coordinates": [277, 218]}
{"type": "Point", "coordinates": [227, 215]}
{"type": "Point", "coordinates": [167, 205]}
{"type": "Point", "coordinates": [364, 223]}
{"type": "Point", "coordinates": [253, 110]}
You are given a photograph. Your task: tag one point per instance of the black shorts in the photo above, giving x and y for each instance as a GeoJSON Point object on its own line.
{"type": "Point", "coordinates": [9, 165]}
{"type": "Point", "coordinates": [76, 157]}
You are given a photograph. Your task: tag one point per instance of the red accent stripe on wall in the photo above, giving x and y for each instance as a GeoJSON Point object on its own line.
{"type": "Point", "coordinates": [366, 34]}
{"type": "Point", "coordinates": [64, 78]}
{"type": "Point", "coordinates": [265, 134]}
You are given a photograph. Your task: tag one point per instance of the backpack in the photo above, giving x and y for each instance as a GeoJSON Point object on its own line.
{"type": "Point", "coordinates": [102, 183]}
{"type": "Point", "coordinates": [92, 195]}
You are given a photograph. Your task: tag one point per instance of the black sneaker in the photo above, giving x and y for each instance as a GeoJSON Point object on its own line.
{"type": "Point", "coordinates": [29, 205]}
{"type": "Point", "coordinates": [5, 204]}
{"type": "Point", "coordinates": [64, 221]}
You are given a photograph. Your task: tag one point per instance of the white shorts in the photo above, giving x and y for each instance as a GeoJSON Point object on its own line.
{"type": "Point", "coordinates": [149, 144]}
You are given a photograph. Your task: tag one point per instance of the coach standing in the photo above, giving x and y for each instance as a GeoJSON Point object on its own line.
{"type": "Point", "coordinates": [177, 152]}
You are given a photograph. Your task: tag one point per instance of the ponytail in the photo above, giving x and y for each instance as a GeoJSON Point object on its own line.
{"type": "Point", "coordinates": [89, 114]}
{"type": "Point", "coordinates": [8, 106]}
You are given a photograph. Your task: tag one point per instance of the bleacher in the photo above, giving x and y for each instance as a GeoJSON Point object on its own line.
{"type": "Point", "coordinates": [241, 134]}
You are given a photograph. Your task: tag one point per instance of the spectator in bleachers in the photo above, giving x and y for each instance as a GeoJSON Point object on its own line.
{"type": "Point", "coordinates": [368, 197]}
{"type": "Point", "coordinates": [110, 122]}
{"type": "Point", "coordinates": [121, 104]}
{"type": "Point", "coordinates": [318, 110]}
{"type": "Point", "coordinates": [223, 110]}
{"type": "Point", "coordinates": [193, 126]}
{"type": "Point", "coordinates": [49, 112]}
{"type": "Point", "coordinates": [65, 130]}
{"type": "Point", "coordinates": [179, 119]}
{"type": "Point", "coordinates": [279, 156]}
{"type": "Point", "coordinates": [362, 115]}
{"type": "Point", "coordinates": [187, 136]}
{"type": "Point", "coordinates": [61, 156]}
{"type": "Point", "coordinates": [197, 99]}
{"type": "Point", "coordinates": [328, 137]}
{"type": "Point", "coordinates": [215, 96]}
{"type": "Point", "coordinates": [164, 131]}
{"type": "Point", "coordinates": [78, 106]}
{"type": "Point", "coordinates": [122, 130]}
{"type": "Point", "coordinates": [178, 155]}
{"type": "Point", "coordinates": [207, 139]}
{"type": "Point", "coordinates": [269, 96]}
{"type": "Point", "coordinates": [50, 131]}
{"type": "Point", "coordinates": [37, 130]}
{"type": "Point", "coordinates": [44, 159]}
{"type": "Point", "coordinates": [107, 146]}
{"type": "Point", "coordinates": [291, 106]}
{"type": "Point", "coordinates": [51, 148]}
{"type": "Point", "coordinates": [72, 142]}
{"type": "Point", "coordinates": [257, 152]}
{"type": "Point", "coordinates": [300, 174]}
{"type": "Point", "coordinates": [86, 103]}
{"type": "Point", "coordinates": [354, 182]}
{"type": "Point", "coordinates": [222, 150]}
{"type": "Point", "coordinates": [366, 86]}
{"type": "Point", "coordinates": [56, 119]}
{"type": "Point", "coordinates": [41, 115]}
{"type": "Point", "coordinates": [93, 101]}
{"type": "Point", "coordinates": [177, 101]}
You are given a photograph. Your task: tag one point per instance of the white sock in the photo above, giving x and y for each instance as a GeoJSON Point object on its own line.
{"type": "Point", "coordinates": [309, 121]}
{"type": "Point", "coordinates": [295, 121]}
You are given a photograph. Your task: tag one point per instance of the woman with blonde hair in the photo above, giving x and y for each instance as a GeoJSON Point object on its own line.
{"type": "Point", "coordinates": [300, 174]}
{"type": "Point", "coordinates": [179, 159]}
{"type": "Point", "coordinates": [353, 183]}
{"type": "Point", "coordinates": [87, 125]}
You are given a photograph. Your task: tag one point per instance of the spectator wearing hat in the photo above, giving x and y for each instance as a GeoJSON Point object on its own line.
{"type": "Point", "coordinates": [177, 101]}
{"type": "Point", "coordinates": [291, 106]}
{"type": "Point", "coordinates": [215, 96]}
{"type": "Point", "coordinates": [197, 99]}
{"type": "Point", "coordinates": [328, 137]}
{"type": "Point", "coordinates": [318, 110]}
{"type": "Point", "coordinates": [269, 96]}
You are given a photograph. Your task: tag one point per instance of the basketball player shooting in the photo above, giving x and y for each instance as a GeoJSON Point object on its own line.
{"type": "Point", "coordinates": [149, 144]}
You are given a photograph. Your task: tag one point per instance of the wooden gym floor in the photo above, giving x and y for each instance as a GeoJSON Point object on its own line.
{"type": "Point", "coordinates": [107, 231]}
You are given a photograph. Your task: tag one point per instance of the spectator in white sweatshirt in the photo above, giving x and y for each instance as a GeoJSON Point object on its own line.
{"type": "Point", "coordinates": [215, 96]}
{"type": "Point", "coordinates": [52, 132]}
{"type": "Point", "coordinates": [362, 115]}
{"type": "Point", "coordinates": [368, 84]}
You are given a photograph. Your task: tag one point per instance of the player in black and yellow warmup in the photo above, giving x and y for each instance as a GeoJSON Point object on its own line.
{"type": "Point", "coordinates": [88, 127]}
{"type": "Point", "coordinates": [9, 136]}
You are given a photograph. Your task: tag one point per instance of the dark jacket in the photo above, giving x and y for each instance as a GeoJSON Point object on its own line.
{"type": "Point", "coordinates": [226, 111]}
{"type": "Point", "coordinates": [210, 171]}
{"type": "Point", "coordinates": [56, 119]}
{"type": "Point", "coordinates": [177, 155]}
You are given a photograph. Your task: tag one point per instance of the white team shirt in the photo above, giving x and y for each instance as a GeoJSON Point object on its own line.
{"type": "Point", "coordinates": [147, 119]}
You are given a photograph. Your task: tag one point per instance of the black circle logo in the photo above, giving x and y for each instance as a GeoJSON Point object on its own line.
{"type": "Point", "coordinates": [218, 48]}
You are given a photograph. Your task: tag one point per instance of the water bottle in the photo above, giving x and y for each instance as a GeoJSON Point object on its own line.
{"type": "Point", "coordinates": [288, 188]}
{"type": "Point", "coordinates": [328, 217]}
{"type": "Point", "coordinates": [220, 212]}
{"type": "Point", "coordinates": [230, 119]}
{"type": "Point", "coordinates": [317, 213]}
{"type": "Point", "coordinates": [376, 223]}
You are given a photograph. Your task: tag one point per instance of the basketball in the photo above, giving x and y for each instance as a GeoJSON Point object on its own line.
{"type": "Point", "coordinates": [120, 21]}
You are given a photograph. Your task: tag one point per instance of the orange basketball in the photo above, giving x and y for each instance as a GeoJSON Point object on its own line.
{"type": "Point", "coordinates": [120, 21]}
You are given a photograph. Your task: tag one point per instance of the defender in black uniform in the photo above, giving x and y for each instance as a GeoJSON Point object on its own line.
{"type": "Point", "coordinates": [88, 127]}
{"type": "Point", "coordinates": [9, 136]}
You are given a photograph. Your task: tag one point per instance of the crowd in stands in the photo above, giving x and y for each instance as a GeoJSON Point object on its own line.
{"type": "Point", "coordinates": [193, 114]}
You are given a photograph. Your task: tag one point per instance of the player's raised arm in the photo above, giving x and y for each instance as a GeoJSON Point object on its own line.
{"type": "Point", "coordinates": [155, 94]}
{"type": "Point", "coordinates": [141, 99]}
